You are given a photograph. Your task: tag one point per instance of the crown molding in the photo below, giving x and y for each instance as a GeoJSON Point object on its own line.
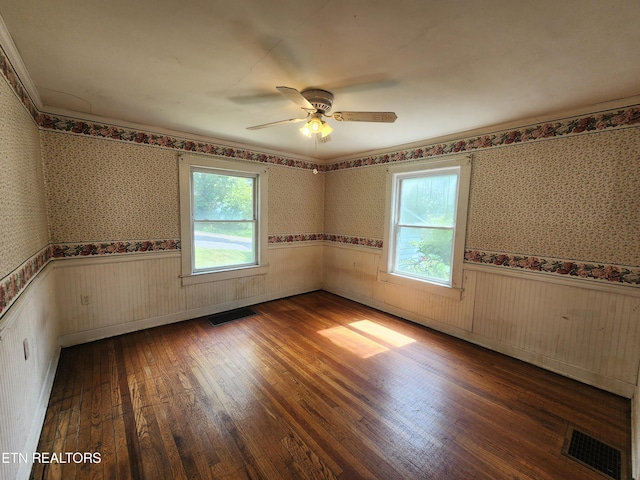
{"type": "Point", "coordinates": [10, 49]}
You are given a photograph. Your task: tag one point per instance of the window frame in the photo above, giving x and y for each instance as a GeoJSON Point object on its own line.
{"type": "Point", "coordinates": [462, 166]}
{"type": "Point", "coordinates": [187, 164]}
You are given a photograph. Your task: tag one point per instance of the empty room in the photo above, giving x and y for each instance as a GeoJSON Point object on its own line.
{"type": "Point", "coordinates": [337, 240]}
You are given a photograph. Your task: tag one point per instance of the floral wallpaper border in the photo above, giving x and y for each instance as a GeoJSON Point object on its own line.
{"type": "Point", "coordinates": [81, 127]}
{"type": "Point", "coordinates": [14, 82]}
{"type": "Point", "coordinates": [361, 241]}
{"type": "Point", "coordinates": [609, 119]}
{"type": "Point", "coordinates": [621, 274]}
{"type": "Point", "coordinates": [309, 237]}
{"type": "Point", "coordinates": [13, 284]}
{"type": "Point", "coordinates": [291, 238]}
{"type": "Point", "coordinates": [619, 118]}
{"type": "Point", "coordinates": [66, 250]}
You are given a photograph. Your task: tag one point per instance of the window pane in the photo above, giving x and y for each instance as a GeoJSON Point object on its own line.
{"type": "Point", "coordinates": [220, 244]}
{"type": "Point", "coordinates": [428, 201]}
{"type": "Point", "coordinates": [424, 252]}
{"type": "Point", "coordinates": [222, 197]}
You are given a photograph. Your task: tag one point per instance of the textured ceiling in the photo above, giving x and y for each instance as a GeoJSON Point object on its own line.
{"type": "Point", "coordinates": [210, 67]}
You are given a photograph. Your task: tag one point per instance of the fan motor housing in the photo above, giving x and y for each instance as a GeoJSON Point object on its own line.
{"type": "Point", "coordinates": [320, 99]}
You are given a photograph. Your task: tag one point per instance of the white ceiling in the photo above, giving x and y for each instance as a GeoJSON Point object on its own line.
{"type": "Point", "coordinates": [210, 67]}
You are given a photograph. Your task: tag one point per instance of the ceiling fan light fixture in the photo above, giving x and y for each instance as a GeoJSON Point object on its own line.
{"type": "Point", "coordinates": [316, 126]}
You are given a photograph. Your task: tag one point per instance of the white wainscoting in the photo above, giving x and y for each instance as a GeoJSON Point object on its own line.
{"type": "Point", "coordinates": [635, 433]}
{"type": "Point", "coordinates": [585, 330]}
{"type": "Point", "coordinates": [131, 292]}
{"type": "Point", "coordinates": [125, 293]}
{"type": "Point", "coordinates": [25, 384]}
{"type": "Point", "coordinates": [581, 329]}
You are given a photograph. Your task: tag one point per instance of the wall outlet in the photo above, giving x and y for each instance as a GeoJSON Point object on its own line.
{"type": "Point", "coordinates": [25, 348]}
{"type": "Point", "coordinates": [85, 299]}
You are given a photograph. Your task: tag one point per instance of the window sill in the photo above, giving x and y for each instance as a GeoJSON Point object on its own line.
{"type": "Point", "coordinates": [207, 277]}
{"type": "Point", "coordinates": [421, 285]}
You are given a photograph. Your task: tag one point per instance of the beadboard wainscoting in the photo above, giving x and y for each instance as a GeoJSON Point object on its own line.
{"type": "Point", "coordinates": [100, 297]}
{"type": "Point", "coordinates": [589, 331]}
{"type": "Point", "coordinates": [635, 433]}
{"type": "Point", "coordinates": [29, 355]}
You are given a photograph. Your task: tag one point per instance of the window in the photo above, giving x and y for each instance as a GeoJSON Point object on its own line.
{"type": "Point", "coordinates": [223, 219]}
{"type": "Point", "coordinates": [426, 219]}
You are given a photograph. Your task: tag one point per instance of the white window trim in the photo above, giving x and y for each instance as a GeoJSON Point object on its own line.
{"type": "Point", "coordinates": [384, 271]}
{"type": "Point", "coordinates": [185, 164]}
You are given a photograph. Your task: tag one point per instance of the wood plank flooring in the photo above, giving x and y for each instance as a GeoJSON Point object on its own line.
{"type": "Point", "coordinates": [315, 387]}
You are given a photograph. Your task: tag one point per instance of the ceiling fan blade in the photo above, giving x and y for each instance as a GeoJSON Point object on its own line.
{"type": "Point", "coordinates": [296, 97]}
{"type": "Point", "coordinates": [274, 124]}
{"type": "Point", "coordinates": [385, 117]}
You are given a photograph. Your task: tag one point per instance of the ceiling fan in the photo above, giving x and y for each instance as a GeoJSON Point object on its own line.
{"type": "Point", "coordinates": [317, 103]}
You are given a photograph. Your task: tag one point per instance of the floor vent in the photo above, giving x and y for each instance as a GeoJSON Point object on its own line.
{"type": "Point", "coordinates": [229, 316]}
{"type": "Point", "coordinates": [594, 454]}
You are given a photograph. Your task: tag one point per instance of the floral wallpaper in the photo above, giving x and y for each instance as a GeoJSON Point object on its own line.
{"type": "Point", "coordinates": [98, 189]}
{"type": "Point", "coordinates": [354, 202]}
{"type": "Point", "coordinates": [296, 201]}
{"type": "Point", "coordinates": [23, 214]}
{"type": "Point", "coordinates": [572, 198]}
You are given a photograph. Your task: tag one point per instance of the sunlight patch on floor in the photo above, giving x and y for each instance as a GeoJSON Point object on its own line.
{"type": "Point", "coordinates": [361, 345]}
{"type": "Point", "coordinates": [385, 334]}
{"type": "Point", "coordinates": [353, 341]}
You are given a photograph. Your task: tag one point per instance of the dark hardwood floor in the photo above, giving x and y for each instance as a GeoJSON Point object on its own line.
{"type": "Point", "coordinates": [315, 387]}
